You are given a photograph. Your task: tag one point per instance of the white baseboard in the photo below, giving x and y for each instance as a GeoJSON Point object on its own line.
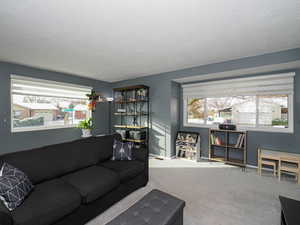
{"type": "Point", "coordinates": [161, 157]}
{"type": "Point", "coordinates": [206, 158]}
{"type": "Point", "coordinates": [247, 165]}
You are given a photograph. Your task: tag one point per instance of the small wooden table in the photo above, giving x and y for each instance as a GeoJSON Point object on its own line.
{"type": "Point", "coordinates": [290, 209]}
{"type": "Point", "coordinates": [276, 156]}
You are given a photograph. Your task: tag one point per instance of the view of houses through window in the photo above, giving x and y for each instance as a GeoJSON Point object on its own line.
{"type": "Point", "coordinates": [249, 111]}
{"type": "Point", "coordinates": [30, 111]}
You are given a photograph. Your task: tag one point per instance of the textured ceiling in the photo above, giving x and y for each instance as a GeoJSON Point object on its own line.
{"type": "Point", "coordinates": [117, 40]}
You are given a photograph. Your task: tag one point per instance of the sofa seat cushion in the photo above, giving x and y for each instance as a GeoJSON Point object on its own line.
{"type": "Point", "coordinates": [125, 169]}
{"type": "Point", "coordinates": [47, 203]}
{"type": "Point", "coordinates": [93, 182]}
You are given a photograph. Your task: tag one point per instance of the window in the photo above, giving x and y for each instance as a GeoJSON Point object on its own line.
{"type": "Point", "coordinates": [273, 111]}
{"type": "Point", "coordinates": [257, 103]}
{"type": "Point", "coordinates": [196, 110]}
{"type": "Point", "coordinates": [239, 110]}
{"type": "Point", "coordinates": [40, 104]}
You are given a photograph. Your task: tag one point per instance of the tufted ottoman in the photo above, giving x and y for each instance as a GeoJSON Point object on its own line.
{"type": "Point", "coordinates": [156, 208]}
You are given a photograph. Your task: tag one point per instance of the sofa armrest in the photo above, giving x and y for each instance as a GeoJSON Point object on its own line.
{"type": "Point", "coordinates": [5, 216]}
{"type": "Point", "coordinates": [140, 154]}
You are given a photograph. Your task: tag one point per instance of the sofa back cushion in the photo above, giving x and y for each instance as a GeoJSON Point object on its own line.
{"type": "Point", "coordinates": [53, 161]}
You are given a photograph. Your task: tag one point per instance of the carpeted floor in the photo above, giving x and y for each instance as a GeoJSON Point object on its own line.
{"type": "Point", "coordinates": [215, 194]}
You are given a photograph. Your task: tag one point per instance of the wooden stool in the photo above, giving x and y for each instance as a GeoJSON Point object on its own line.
{"type": "Point", "coordinates": [269, 162]}
{"type": "Point", "coordinates": [289, 165]}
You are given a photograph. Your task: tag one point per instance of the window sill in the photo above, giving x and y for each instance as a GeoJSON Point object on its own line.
{"type": "Point", "coordinates": [255, 129]}
{"type": "Point", "coordinates": [18, 130]}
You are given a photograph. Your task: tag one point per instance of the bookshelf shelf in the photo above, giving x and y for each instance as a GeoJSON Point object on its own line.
{"type": "Point", "coordinates": [130, 114]}
{"type": "Point", "coordinates": [218, 159]}
{"type": "Point", "coordinates": [133, 140]}
{"type": "Point", "coordinates": [224, 146]}
{"type": "Point", "coordinates": [231, 144]}
{"type": "Point", "coordinates": [130, 127]}
{"type": "Point", "coordinates": [228, 131]}
{"type": "Point", "coordinates": [130, 101]}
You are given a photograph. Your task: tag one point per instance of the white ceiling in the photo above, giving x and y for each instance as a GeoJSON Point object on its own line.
{"type": "Point", "coordinates": [116, 40]}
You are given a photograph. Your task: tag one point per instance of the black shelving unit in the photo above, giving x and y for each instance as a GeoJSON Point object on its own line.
{"type": "Point", "coordinates": [228, 146]}
{"type": "Point", "coordinates": [131, 114]}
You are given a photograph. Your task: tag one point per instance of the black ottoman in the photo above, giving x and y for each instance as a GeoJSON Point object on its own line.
{"type": "Point", "coordinates": [156, 208]}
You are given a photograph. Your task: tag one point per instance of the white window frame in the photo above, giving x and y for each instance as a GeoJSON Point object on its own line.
{"type": "Point", "coordinates": [26, 129]}
{"type": "Point", "coordinates": [290, 129]}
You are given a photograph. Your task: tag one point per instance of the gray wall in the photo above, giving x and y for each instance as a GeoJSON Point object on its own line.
{"type": "Point", "coordinates": [175, 103]}
{"type": "Point", "coordinates": [11, 142]}
{"type": "Point", "coordinates": [163, 90]}
{"type": "Point", "coordinates": [166, 107]}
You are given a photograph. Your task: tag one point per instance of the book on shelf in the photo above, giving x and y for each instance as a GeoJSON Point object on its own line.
{"type": "Point", "coordinates": [212, 139]}
{"type": "Point", "coordinates": [215, 140]}
{"type": "Point", "coordinates": [240, 141]}
{"type": "Point", "coordinates": [218, 141]}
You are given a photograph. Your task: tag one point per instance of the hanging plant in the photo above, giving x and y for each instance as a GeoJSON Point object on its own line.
{"type": "Point", "coordinates": [93, 98]}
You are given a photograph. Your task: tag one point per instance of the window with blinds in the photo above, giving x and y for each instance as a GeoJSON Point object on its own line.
{"type": "Point", "coordinates": [41, 104]}
{"type": "Point", "coordinates": [255, 103]}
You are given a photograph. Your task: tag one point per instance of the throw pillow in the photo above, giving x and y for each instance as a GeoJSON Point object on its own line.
{"type": "Point", "coordinates": [122, 150]}
{"type": "Point", "coordinates": [14, 186]}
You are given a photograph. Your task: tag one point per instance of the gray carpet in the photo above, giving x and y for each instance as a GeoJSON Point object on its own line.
{"type": "Point", "coordinates": [215, 194]}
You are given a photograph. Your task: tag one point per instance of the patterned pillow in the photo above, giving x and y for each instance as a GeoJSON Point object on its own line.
{"type": "Point", "coordinates": [122, 151]}
{"type": "Point", "coordinates": [14, 186]}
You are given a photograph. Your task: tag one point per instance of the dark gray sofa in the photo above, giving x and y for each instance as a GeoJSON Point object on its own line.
{"type": "Point", "coordinates": [74, 181]}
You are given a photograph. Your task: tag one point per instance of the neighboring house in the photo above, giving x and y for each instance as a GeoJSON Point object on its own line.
{"type": "Point", "coordinates": [284, 113]}
{"type": "Point", "coordinates": [26, 110]}
{"type": "Point", "coordinates": [226, 114]}
{"type": "Point", "coordinates": [244, 113]}
{"type": "Point", "coordinates": [80, 112]}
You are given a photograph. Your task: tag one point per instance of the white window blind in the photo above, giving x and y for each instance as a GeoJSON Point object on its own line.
{"type": "Point", "coordinates": [258, 85]}
{"type": "Point", "coordinates": [44, 88]}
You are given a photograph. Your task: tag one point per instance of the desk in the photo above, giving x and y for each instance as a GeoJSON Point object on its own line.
{"type": "Point", "coordinates": [276, 156]}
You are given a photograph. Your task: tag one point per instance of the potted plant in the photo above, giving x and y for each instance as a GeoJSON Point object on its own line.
{"type": "Point", "coordinates": [86, 127]}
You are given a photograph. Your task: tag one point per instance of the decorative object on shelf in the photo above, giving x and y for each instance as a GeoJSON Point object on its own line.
{"type": "Point", "coordinates": [119, 96]}
{"type": "Point", "coordinates": [137, 135]}
{"type": "Point", "coordinates": [141, 94]}
{"type": "Point", "coordinates": [96, 97]}
{"type": "Point", "coordinates": [131, 114]}
{"type": "Point", "coordinates": [122, 133]}
{"type": "Point", "coordinates": [188, 145]}
{"type": "Point", "coordinates": [86, 127]}
{"type": "Point", "coordinates": [227, 127]}
{"type": "Point", "coordinates": [228, 146]}
{"type": "Point", "coordinates": [121, 110]}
